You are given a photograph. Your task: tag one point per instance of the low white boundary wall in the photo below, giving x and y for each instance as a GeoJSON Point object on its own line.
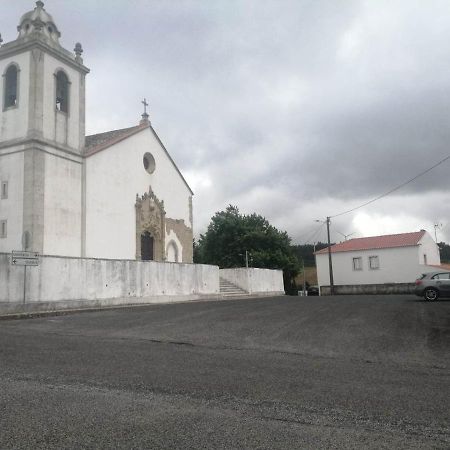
{"type": "Point", "coordinates": [255, 281]}
{"type": "Point", "coordinates": [68, 282]}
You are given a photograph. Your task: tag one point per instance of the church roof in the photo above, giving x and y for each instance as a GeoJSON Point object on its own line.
{"type": "Point", "coordinates": [100, 141]}
{"type": "Point", "coordinates": [97, 142]}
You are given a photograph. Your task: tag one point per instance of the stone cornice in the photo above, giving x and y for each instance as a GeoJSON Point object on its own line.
{"type": "Point", "coordinates": [33, 142]}
{"type": "Point", "coordinates": [24, 45]}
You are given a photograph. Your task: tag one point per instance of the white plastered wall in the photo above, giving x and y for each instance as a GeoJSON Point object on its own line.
{"type": "Point", "coordinates": [11, 209]}
{"type": "Point", "coordinates": [428, 247]}
{"type": "Point", "coordinates": [113, 178]}
{"type": "Point", "coordinates": [62, 206]}
{"type": "Point", "coordinates": [96, 282]}
{"type": "Point", "coordinates": [61, 127]}
{"type": "Point", "coordinates": [14, 121]}
{"type": "Point", "coordinates": [396, 265]}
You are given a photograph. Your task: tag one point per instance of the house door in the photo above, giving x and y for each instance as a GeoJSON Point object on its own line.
{"type": "Point", "coordinates": [146, 247]}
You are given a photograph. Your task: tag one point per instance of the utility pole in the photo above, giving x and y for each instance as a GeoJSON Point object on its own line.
{"type": "Point", "coordinates": [330, 263]}
{"type": "Point", "coordinates": [304, 280]}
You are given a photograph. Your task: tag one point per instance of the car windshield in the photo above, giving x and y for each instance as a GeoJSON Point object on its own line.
{"type": "Point", "coordinates": [422, 276]}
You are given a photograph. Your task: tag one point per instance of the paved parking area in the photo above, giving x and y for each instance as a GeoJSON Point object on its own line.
{"type": "Point", "coordinates": [286, 372]}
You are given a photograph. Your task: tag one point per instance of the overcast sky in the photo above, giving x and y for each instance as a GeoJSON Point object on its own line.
{"type": "Point", "coordinates": [295, 110]}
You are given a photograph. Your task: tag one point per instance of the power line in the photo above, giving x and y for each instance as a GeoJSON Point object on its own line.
{"type": "Point", "coordinates": [394, 189]}
{"type": "Point", "coordinates": [306, 233]}
{"type": "Point", "coordinates": [316, 232]}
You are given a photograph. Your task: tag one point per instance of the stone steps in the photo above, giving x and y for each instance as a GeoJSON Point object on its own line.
{"type": "Point", "coordinates": [228, 289]}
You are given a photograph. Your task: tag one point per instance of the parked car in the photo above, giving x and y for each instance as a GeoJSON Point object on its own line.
{"type": "Point", "coordinates": [313, 290]}
{"type": "Point", "coordinates": [433, 285]}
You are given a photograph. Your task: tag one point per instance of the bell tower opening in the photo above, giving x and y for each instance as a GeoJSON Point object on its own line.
{"type": "Point", "coordinates": [10, 89]}
{"type": "Point", "coordinates": [62, 92]}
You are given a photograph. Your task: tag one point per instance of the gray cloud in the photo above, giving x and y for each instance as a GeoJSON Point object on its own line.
{"type": "Point", "coordinates": [293, 109]}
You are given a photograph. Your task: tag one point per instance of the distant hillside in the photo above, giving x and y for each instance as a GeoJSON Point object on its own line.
{"type": "Point", "coordinates": [306, 252]}
{"type": "Point", "coordinates": [310, 277]}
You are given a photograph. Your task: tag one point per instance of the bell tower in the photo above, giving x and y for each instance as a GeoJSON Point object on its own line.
{"type": "Point", "coordinates": [42, 133]}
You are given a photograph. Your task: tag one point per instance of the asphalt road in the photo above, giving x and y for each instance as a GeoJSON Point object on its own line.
{"type": "Point", "coordinates": [342, 372]}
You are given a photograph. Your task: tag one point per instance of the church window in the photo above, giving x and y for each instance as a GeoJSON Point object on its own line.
{"type": "Point", "coordinates": [149, 162]}
{"type": "Point", "coordinates": [4, 192]}
{"type": "Point", "coordinates": [3, 228]}
{"type": "Point", "coordinates": [62, 92]}
{"type": "Point", "coordinates": [11, 87]}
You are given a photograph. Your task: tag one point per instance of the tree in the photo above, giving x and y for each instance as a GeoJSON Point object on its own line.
{"type": "Point", "coordinates": [445, 252]}
{"type": "Point", "coordinates": [230, 234]}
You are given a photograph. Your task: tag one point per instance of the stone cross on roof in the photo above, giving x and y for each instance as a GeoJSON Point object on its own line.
{"type": "Point", "coordinates": [145, 105]}
{"type": "Point", "coordinates": [145, 115]}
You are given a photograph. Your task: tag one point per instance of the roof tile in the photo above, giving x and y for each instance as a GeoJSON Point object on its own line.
{"type": "Point", "coordinates": [376, 242]}
{"type": "Point", "coordinates": [97, 142]}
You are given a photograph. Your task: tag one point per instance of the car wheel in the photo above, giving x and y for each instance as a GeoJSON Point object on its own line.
{"type": "Point", "coordinates": [430, 294]}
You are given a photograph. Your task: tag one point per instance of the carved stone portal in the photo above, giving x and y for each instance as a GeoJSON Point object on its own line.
{"type": "Point", "coordinates": [150, 229]}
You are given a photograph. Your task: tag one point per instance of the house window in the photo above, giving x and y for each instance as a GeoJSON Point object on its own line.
{"type": "Point", "coordinates": [374, 263]}
{"type": "Point", "coordinates": [4, 190]}
{"type": "Point", "coordinates": [425, 258]}
{"type": "Point", "coordinates": [62, 92]}
{"type": "Point", "coordinates": [357, 263]}
{"type": "Point", "coordinates": [10, 87]}
{"type": "Point", "coordinates": [3, 228]}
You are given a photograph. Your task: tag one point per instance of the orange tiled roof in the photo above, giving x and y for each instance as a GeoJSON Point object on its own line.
{"type": "Point", "coordinates": [376, 242]}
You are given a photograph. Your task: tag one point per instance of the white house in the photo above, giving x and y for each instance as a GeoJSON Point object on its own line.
{"type": "Point", "coordinates": [377, 260]}
{"type": "Point", "coordinates": [115, 195]}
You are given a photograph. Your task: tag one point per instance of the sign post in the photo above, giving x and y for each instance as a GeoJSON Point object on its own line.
{"type": "Point", "coordinates": [20, 258]}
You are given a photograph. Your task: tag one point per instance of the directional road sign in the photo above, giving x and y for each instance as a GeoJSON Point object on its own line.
{"type": "Point", "coordinates": [19, 258]}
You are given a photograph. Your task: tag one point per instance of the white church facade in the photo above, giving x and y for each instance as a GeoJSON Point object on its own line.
{"type": "Point", "coordinates": [114, 195]}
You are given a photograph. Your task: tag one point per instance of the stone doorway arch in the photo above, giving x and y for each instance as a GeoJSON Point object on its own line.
{"type": "Point", "coordinates": [150, 227]}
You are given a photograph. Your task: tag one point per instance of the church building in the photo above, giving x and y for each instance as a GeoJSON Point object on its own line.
{"type": "Point", "coordinates": [114, 195]}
